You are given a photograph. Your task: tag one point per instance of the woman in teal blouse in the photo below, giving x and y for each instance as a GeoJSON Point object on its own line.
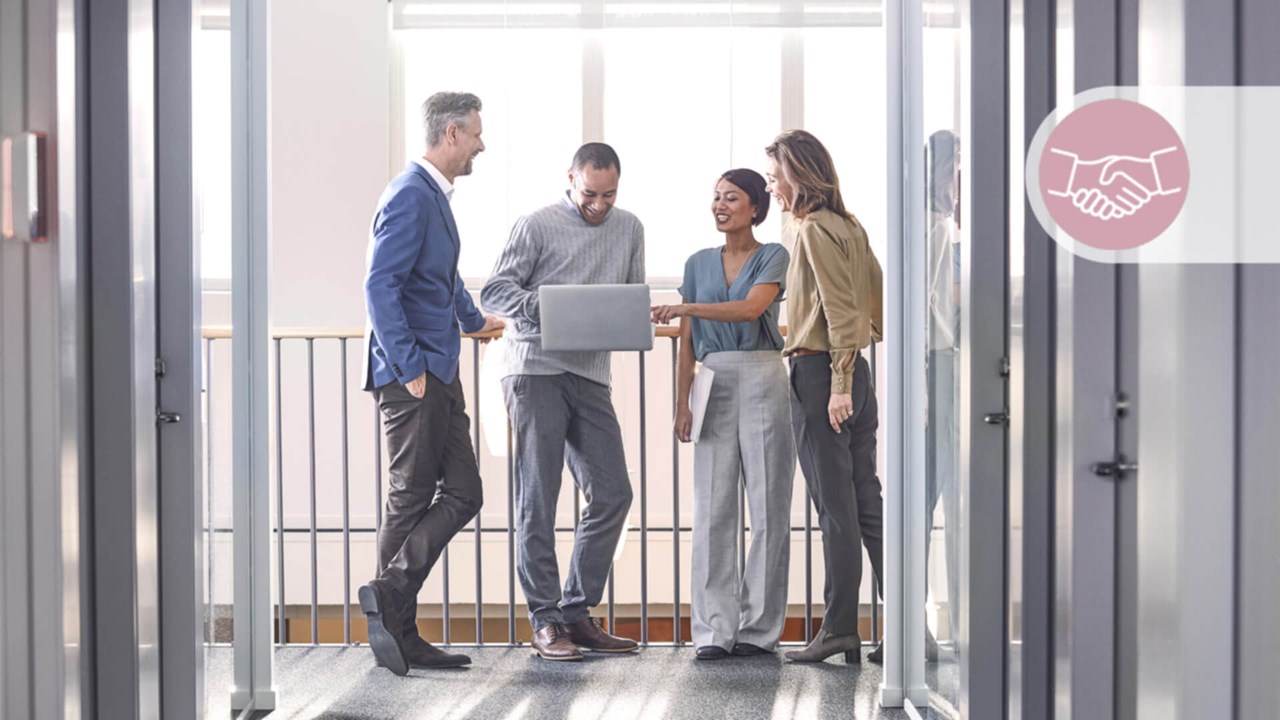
{"type": "Point", "coordinates": [729, 323]}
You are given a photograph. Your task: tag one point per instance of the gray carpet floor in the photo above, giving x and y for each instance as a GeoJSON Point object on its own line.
{"type": "Point", "coordinates": [659, 682]}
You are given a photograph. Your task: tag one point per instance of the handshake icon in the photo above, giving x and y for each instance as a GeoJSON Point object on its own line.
{"type": "Point", "coordinates": [1111, 187]}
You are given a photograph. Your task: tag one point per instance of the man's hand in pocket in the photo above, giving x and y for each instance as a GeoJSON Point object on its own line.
{"type": "Point", "coordinates": [417, 387]}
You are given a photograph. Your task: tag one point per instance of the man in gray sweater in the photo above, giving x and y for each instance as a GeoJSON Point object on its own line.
{"type": "Point", "coordinates": [560, 404]}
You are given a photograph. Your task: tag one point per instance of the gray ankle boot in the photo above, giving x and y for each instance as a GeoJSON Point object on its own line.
{"type": "Point", "coordinates": [825, 645]}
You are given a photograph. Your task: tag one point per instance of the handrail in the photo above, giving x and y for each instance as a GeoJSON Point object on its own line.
{"type": "Point", "coordinates": [223, 332]}
{"type": "Point", "coordinates": [307, 472]}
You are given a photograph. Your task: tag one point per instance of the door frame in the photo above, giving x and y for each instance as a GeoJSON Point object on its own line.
{"type": "Point", "coordinates": [178, 320]}
{"type": "Point", "coordinates": [253, 690]}
{"type": "Point", "coordinates": [984, 352]}
{"type": "Point", "coordinates": [121, 231]}
{"type": "Point", "coordinates": [904, 582]}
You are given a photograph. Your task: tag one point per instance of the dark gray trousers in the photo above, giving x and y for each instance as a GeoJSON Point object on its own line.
{"type": "Point", "coordinates": [435, 485]}
{"type": "Point", "coordinates": [559, 417]}
{"type": "Point", "coordinates": [840, 472]}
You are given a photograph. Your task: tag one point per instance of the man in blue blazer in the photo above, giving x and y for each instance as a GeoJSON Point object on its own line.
{"type": "Point", "coordinates": [417, 306]}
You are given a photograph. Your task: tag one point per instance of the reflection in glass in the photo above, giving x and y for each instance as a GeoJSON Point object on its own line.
{"type": "Point", "coordinates": [942, 428]}
{"type": "Point", "coordinates": [942, 376]}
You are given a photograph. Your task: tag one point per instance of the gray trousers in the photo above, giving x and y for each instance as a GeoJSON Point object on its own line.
{"type": "Point", "coordinates": [746, 440]}
{"type": "Point", "coordinates": [559, 417]}
{"type": "Point", "coordinates": [840, 471]}
{"type": "Point", "coordinates": [435, 485]}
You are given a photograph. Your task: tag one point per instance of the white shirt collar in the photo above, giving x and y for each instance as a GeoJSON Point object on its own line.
{"type": "Point", "coordinates": [445, 186]}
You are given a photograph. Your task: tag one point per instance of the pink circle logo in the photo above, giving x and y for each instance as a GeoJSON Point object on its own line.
{"type": "Point", "coordinates": [1114, 174]}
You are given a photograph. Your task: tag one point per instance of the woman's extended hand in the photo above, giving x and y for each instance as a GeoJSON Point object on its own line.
{"type": "Point", "coordinates": [663, 314]}
{"type": "Point", "coordinates": [684, 424]}
{"type": "Point", "coordinates": [839, 409]}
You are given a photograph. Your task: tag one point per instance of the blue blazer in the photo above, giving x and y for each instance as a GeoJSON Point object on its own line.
{"type": "Point", "coordinates": [415, 299]}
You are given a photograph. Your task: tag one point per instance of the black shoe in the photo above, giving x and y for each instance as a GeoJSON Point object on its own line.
{"type": "Point", "coordinates": [386, 625]}
{"type": "Point", "coordinates": [422, 654]}
{"type": "Point", "coordinates": [877, 656]}
{"type": "Point", "coordinates": [748, 650]}
{"type": "Point", "coordinates": [711, 652]}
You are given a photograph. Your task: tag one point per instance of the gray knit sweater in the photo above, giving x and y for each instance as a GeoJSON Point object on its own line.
{"type": "Point", "coordinates": [555, 246]}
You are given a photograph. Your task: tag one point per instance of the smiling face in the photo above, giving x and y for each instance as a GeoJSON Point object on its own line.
{"type": "Point", "coordinates": [466, 142]}
{"type": "Point", "coordinates": [779, 187]}
{"type": "Point", "coordinates": [594, 191]}
{"type": "Point", "coordinates": [731, 207]}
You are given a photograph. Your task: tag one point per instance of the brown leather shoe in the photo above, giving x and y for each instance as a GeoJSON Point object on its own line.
{"type": "Point", "coordinates": [386, 625]}
{"type": "Point", "coordinates": [552, 643]}
{"type": "Point", "coordinates": [588, 635]}
{"type": "Point", "coordinates": [825, 645]}
{"type": "Point", "coordinates": [422, 654]}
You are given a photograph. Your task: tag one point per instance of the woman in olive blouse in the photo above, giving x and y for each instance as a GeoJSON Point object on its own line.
{"type": "Point", "coordinates": [833, 312]}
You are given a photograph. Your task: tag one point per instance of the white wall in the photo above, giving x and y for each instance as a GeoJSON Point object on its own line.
{"type": "Point", "coordinates": [330, 130]}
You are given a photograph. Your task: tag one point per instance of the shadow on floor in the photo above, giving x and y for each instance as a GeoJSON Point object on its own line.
{"type": "Point", "coordinates": [339, 683]}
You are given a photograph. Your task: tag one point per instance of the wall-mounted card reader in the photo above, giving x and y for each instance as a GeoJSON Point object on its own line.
{"type": "Point", "coordinates": [23, 211]}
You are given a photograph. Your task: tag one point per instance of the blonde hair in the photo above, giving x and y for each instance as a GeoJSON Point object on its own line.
{"type": "Point", "coordinates": [810, 172]}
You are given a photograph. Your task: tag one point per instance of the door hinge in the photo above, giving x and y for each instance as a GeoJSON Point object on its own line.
{"type": "Point", "coordinates": [1117, 469]}
{"type": "Point", "coordinates": [160, 368]}
{"type": "Point", "coordinates": [1005, 369]}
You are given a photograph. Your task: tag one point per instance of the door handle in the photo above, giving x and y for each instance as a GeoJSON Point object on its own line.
{"type": "Point", "coordinates": [1000, 418]}
{"type": "Point", "coordinates": [1116, 469]}
{"type": "Point", "coordinates": [167, 418]}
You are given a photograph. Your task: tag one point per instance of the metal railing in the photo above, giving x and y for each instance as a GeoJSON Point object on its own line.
{"type": "Point", "coordinates": [309, 337]}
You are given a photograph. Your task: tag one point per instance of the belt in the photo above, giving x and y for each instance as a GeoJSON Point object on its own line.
{"type": "Point", "coordinates": [802, 352]}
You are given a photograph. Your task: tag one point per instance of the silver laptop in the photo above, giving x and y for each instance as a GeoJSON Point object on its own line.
{"type": "Point", "coordinates": [595, 317]}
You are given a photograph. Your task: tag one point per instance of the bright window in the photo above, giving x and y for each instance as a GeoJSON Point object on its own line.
{"type": "Point", "coordinates": [714, 106]}
{"type": "Point", "coordinates": [683, 91]}
{"type": "Point", "coordinates": [530, 83]}
{"type": "Point", "coordinates": [211, 151]}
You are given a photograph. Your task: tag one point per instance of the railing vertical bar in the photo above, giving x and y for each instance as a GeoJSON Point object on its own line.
{"type": "Point", "coordinates": [577, 508]}
{"type": "Point", "coordinates": [377, 484]}
{"type": "Point", "coordinates": [880, 606]}
{"type": "Point", "coordinates": [511, 539]}
{"type": "Point", "coordinates": [282, 622]}
{"type": "Point", "coordinates": [808, 567]}
{"type": "Point", "coordinates": [644, 511]}
{"type": "Point", "coordinates": [675, 497]}
{"type": "Point", "coordinates": [210, 614]}
{"type": "Point", "coordinates": [346, 505]}
{"type": "Point", "coordinates": [875, 609]}
{"type": "Point", "coordinates": [311, 448]}
{"type": "Point", "coordinates": [612, 627]}
{"type": "Point", "coordinates": [742, 529]}
{"type": "Point", "coordinates": [475, 427]}
{"type": "Point", "coordinates": [446, 631]}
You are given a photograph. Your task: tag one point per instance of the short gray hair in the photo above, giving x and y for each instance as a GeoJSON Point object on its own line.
{"type": "Point", "coordinates": [444, 109]}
